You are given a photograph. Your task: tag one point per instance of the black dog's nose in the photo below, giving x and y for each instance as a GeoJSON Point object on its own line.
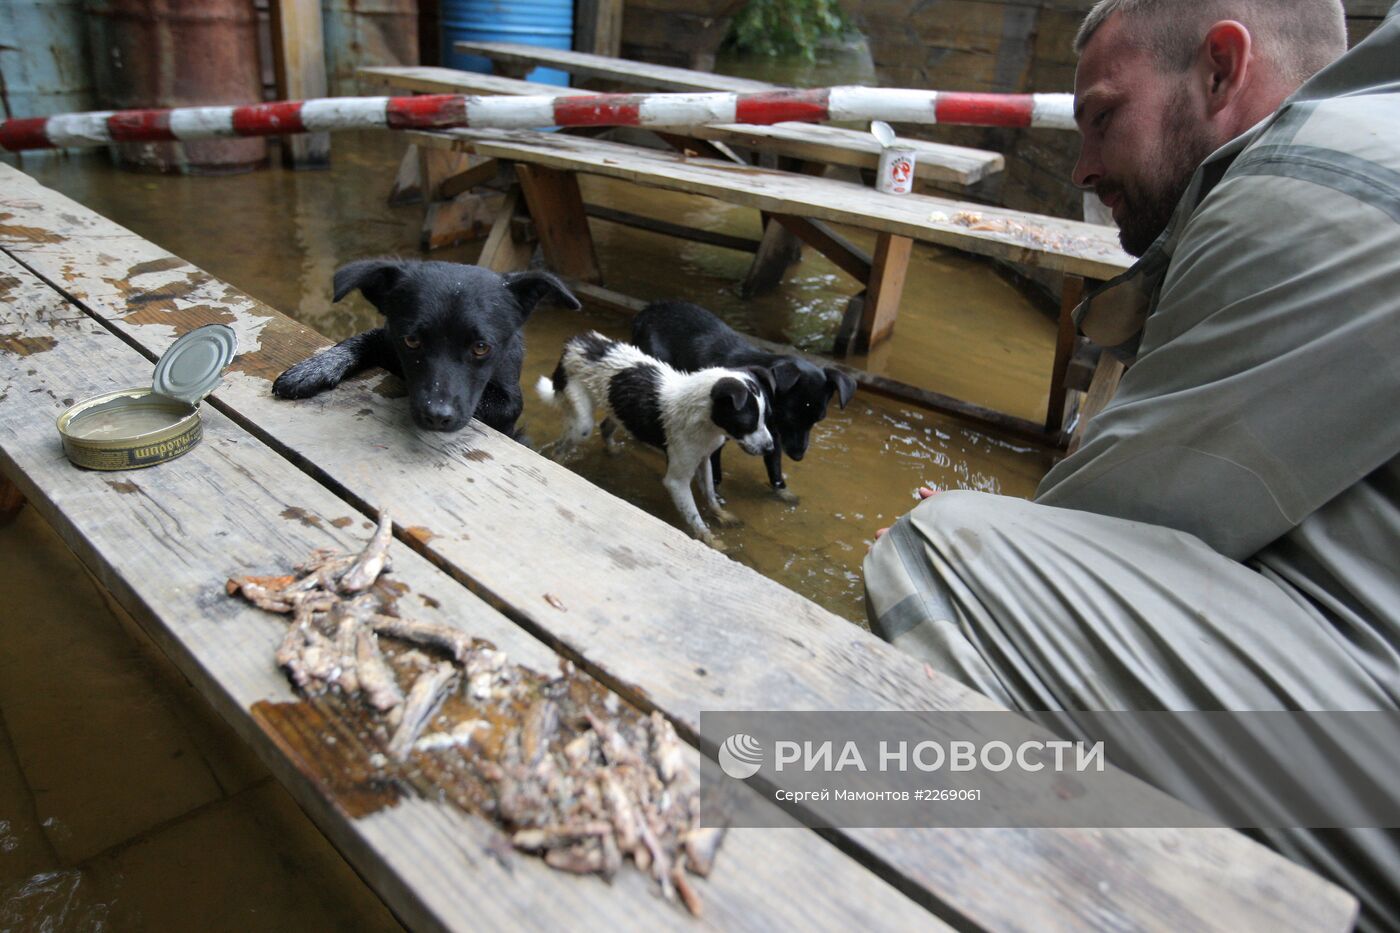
{"type": "Point", "coordinates": [439, 417]}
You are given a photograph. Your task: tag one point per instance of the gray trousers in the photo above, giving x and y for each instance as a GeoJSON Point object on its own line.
{"type": "Point", "coordinates": [1043, 608]}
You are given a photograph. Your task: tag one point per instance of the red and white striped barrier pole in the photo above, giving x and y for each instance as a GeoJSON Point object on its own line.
{"type": "Point", "coordinates": [445, 111]}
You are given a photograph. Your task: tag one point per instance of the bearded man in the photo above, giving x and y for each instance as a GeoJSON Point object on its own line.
{"type": "Point", "coordinates": [1227, 537]}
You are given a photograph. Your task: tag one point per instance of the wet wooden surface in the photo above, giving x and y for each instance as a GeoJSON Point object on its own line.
{"type": "Point", "coordinates": [164, 539]}
{"type": "Point", "coordinates": [834, 145]}
{"type": "Point", "coordinates": [664, 621]}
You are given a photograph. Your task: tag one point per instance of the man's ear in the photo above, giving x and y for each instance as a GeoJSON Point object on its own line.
{"type": "Point", "coordinates": [785, 373]}
{"type": "Point", "coordinates": [734, 391]}
{"type": "Point", "coordinates": [1225, 56]}
{"type": "Point", "coordinates": [374, 277]}
{"type": "Point", "coordinates": [840, 383]}
{"type": "Point", "coordinates": [530, 287]}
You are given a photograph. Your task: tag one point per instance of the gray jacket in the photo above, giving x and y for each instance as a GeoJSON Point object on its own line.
{"type": "Point", "coordinates": [1262, 410]}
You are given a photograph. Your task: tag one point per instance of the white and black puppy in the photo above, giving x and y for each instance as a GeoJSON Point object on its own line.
{"type": "Point", "coordinates": [687, 415]}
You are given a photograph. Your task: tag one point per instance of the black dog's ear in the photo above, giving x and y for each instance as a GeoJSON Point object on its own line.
{"type": "Point", "coordinates": [785, 373]}
{"type": "Point", "coordinates": [763, 375]}
{"type": "Point", "coordinates": [734, 391]}
{"type": "Point", "coordinates": [840, 383]}
{"type": "Point", "coordinates": [375, 277]}
{"type": "Point", "coordinates": [530, 287]}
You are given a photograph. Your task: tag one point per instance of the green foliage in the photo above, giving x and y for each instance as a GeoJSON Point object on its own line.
{"type": "Point", "coordinates": [786, 27]}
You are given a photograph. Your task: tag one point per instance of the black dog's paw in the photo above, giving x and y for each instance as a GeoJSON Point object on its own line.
{"type": "Point", "coordinates": [307, 378]}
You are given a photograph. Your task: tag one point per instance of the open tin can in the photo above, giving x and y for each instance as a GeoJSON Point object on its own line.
{"type": "Point", "coordinates": [140, 427]}
{"type": "Point", "coordinates": [896, 172]}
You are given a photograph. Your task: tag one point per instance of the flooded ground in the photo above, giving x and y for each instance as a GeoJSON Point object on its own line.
{"type": "Point", "coordinates": [126, 804]}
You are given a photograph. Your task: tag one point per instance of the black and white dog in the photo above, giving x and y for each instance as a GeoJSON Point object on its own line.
{"type": "Point", "coordinates": [452, 332]}
{"type": "Point", "coordinates": [687, 415]}
{"type": "Point", "coordinates": [689, 338]}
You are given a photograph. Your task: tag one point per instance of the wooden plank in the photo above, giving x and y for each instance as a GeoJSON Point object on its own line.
{"type": "Point", "coordinates": [680, 231]}
{"type": "Point", "coordinates": [598, 27]}
{"type": "Point", "coordinates": [485, 170]}
{"type": "Point", "coordinates": [640, 74]}
{"type": "Point", "coordinates": [670, 624]}
{"type": "Point", "coordinates": [556, 207]}
{"type": "Point", "coordinates": [300, 59]}
{"type": "Point", "coordinates": [502, 251]}
{"type": "Point", "coordinates": [164, 539]}
{"type": "Point", "coordinates": [1107, 374]}
{"type": "Point", "coordinates": [1072, 292]}
{"type": "Point", "coordinates": [1016, 237]}
{"type": "Point", "coordinates": [834, 145]}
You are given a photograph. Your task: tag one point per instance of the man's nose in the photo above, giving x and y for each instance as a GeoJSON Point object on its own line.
{"type": "Point", "coordinates": [1088, 169]}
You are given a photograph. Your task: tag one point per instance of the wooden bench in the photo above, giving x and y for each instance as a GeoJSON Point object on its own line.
{"type": "Point", "coordinates": [510, 547]}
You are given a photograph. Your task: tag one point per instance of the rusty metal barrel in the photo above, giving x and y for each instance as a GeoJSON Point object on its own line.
{"type": "Point", "coordinates": [361, 33]}
{"type": "Point", "coordinates": [173, 53]}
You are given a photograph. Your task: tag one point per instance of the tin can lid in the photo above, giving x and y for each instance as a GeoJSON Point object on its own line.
{"type": "Point", "coordinates": [191, 368]}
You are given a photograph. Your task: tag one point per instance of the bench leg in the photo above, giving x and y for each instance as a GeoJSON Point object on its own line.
{"type": "Point", "coordinates": [468, 216]}
{"type": "Point", "coordinates": [869, 318]}
{"type": "Point", "coordinates": [1107, 375]}
{"type": "Point", "coordinates": [1071, 294]}
{"type": "Point", "coordinates": [408, 182]}
{"type": "Point", "coordinates": [556, 206]}
{"type": "Point", "coordinates": [776, 251]}
{"type": "Point", "coordinates": [11, 501]}
{"type": "Point", "coordinates": [503, 252]}
{"type": "Point", "coordinates": [780, 247]}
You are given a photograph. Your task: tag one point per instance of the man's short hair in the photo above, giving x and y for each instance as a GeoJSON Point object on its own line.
{"type": "Point", "coordinates": [1300, 37]}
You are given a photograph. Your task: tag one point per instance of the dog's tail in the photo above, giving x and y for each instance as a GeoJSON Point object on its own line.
{"type": "Point", "coordinates": [549, 388]}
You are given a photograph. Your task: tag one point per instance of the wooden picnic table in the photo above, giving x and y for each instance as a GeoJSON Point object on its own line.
{"type": "Point", "coordinates": [505, 545]}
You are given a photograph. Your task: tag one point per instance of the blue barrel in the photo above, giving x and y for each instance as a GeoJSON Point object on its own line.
{"type": "Point", "coordinates": [546, 23]}
{"type": "Point", "coordinates": [43, 59]}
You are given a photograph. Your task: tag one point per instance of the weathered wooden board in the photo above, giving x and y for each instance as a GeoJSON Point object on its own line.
{"type": "Point", "coordinates": [665, 621]}
{"type": "Point", "coordinates": [300, 60]}
{"type": "Point", "coordinates": [164, 539]}
{"type": "Point", "coordinates": [811, 141]}
{"type": "Point", "coordinates": [1061, 245]}
{"type": "Point", "coordinates": [598, 26]}
{"type": "Point", "coordinates": [640, 74]}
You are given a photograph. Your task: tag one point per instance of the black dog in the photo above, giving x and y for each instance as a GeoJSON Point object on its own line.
{"type": "Point", "coordinates": [690, 338]}
{"type": "Point", "coordinates": [452, 333]}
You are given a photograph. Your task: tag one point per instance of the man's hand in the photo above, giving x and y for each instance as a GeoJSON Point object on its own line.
{"type": "Point", "coordinates": [923, 493]}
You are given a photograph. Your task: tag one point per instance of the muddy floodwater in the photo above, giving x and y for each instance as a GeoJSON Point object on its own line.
{"type": "Point", "coordinates": [126, 804]}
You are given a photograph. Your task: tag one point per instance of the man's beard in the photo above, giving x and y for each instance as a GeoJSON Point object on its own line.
{"type": "Point", "coordinates": [1150, 200]}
